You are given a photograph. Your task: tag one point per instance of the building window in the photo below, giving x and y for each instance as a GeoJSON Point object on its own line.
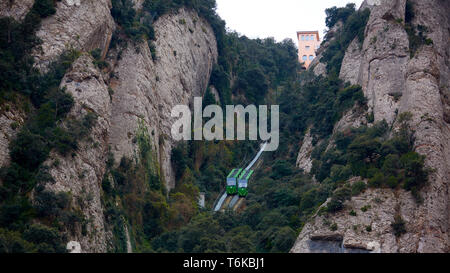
{"type": "Point", "coordinates": [311, 57]}
{"type": "Point", "coordinates": [303, 37]}
{"type": "Point", "coordinates": [304, 58]}
{"type": "Point", "coordinates": [312, 37]}
{"type": "Point", "coordinates": [308, 47]}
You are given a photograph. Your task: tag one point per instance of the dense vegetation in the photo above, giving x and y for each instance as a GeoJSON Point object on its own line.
{"type": "Point", "coordinates": [268, 224]}
{"type": "Point", "coordinates": [254, 67]}
{"type": "Point", "coordinates": [40, 134]}
{"type": "Point", "coordinates": [370, 153]}
{"type": "Point", "coordinates": [354, 23]}
{"type": "Point", "coordinates": [16, 42]}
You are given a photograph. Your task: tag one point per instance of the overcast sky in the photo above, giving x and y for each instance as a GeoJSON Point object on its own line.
{"type": "Point", "coordinates": [276, 18]}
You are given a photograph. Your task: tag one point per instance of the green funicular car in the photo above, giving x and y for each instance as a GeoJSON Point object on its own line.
{"type": "Point", "coordinates": [232, 181]}
{"type": "Point", "coordinates": [243, 183]}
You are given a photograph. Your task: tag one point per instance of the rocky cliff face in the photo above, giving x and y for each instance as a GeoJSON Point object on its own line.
{"type": "Point", "coordinates": [394, 83]}
{"type": "Point", "coordinates": [15, 9]}
{"type": "Point", "coordinates": [77, 24]}
{"type": "Point", "coordinates": [134, 90]}
{"type": "Point", "coordinates": [146, 90]}
{"type": "Point", "coordinates": [81, 173]}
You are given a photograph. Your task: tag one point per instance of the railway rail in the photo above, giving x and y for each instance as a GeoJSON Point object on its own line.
{"type": "Point", "coordinates": [237, 185]}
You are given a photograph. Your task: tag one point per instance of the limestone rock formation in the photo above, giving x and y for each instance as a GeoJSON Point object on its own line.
{"type": "Point", "coordinates": [16, 9]}
{"type": "Point", "coordinates": [145, 90]}
{"type": "Point", "coordinates": [304, 160]}
{"type": "Point", "coordinates": [81, 173]}
{"type": "Point", "coordinates": [79, 24]}
{"type": "Point", "coordinates": [353, 118]}
{"type": "Point", "coordinates": [394, 82]}
{"type": "Point", "coordinates": [350, 68]}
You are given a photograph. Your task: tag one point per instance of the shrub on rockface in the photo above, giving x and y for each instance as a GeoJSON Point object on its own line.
{"type": "Point", "coordinates": [354, 24]}
{"type": "Point", "coordinates": [44, 8]}
{"type": "Point", "coordinates": [372, 154]}
{"type": "Point", "coordinates": [335, 14]}
{"type": "Point", "coordinates": [45, 129]}
{"type": "Point", "coordinates": [416, 33]}
{"type": "Point", "coordinates": [399, 226]}
{"type": "Point", "coordinates": [337, 200]}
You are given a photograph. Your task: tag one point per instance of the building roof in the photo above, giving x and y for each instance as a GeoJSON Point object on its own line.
{"type": "Point", "coordinates": [315, 32]}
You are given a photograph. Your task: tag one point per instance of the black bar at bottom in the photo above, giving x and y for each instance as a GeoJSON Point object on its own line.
{"type": "Point", "coordinates": [281, 263]}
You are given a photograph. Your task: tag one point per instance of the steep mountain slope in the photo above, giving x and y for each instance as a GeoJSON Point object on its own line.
{"type": "Point", "coordinates": [398, 74]}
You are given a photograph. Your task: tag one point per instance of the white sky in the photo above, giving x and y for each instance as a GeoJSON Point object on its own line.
{"type": "Point", "coordinates": [277, 18]}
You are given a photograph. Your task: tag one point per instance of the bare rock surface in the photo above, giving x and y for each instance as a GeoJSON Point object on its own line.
{"type": "Point", "coordinates": [353, 118]}
{"type": "Point", "coordinates": [16, 9]}
{"type": "Point", "coordinates": [350, 69]}
{"type": "Point", "coordinates": [304, 160]}
{"type": "Point", "coordinates": [78, 24]}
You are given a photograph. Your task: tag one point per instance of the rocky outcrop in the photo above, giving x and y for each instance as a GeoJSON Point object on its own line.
{"type": "Point", "coordinates": [370, 226]}
{"type": "Point", "coordinates": [384, 61]}
{"type": "Point", "coordinates": [427, 81]}
{"type": "Point", "coordinates": [146, 90]}
{"type": "Point", "coordinates": [137, 4]}
{"type": "Point", "coordinates": [353, 118]}
{"type": "Point", "coordinates": [16, 9]}
{"type": "Point", "coordinates": [304, 160]}
{"type": "Point", "coordinates": [215, 94]}
{"type": "Point", "coordinates": [394, 82]}
{"type": "Point", "coordinates": [351, 64]}
{"type": "Point", "coordinates": [81, 173]}
{"type": "Point", "coordinates": [79, 24]}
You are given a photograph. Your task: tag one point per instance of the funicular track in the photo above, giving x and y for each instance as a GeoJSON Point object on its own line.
{"type": "Point", "coordinates": [234, 202]}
